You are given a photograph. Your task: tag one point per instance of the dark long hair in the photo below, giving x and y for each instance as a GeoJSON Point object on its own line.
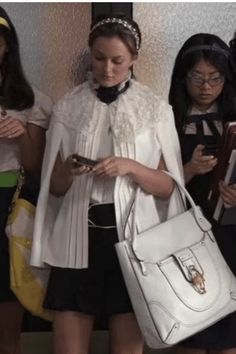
{"type": "Point", "coordinates": [15, 91]}
{"type": "Point", "coordinates": [110, 30]}
{"type": "Point", "coordinates": [217, 55]}
{"type": "Point", "coordinates": [232, 45]}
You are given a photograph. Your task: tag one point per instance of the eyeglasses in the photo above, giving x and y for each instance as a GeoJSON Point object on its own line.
{"type": "Point", "coordinates": [199, 81]}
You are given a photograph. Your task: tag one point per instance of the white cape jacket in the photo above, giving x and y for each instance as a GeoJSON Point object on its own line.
{"type": "Point", "coordinates": [143, 129]}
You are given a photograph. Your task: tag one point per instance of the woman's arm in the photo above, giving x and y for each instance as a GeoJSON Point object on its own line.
{"type": "Point", "coordinates": [32, 144]}
{"type": "Point", "coordinates": [152, 181]}
{"type": "Point", "coordinates": [63, 175]}
{"type": "Point", "coordinates": [29, 137]}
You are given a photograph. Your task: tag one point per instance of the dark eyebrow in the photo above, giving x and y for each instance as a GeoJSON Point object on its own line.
{"type": "Point", "coordinates": [97, 51]}
{"type": "Point", "coordinates": [200, 73]}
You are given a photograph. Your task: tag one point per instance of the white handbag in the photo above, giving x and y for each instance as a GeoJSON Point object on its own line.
{"type": "Point", "coordinates": [176, 276]}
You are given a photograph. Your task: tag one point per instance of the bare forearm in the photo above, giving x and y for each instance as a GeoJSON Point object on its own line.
{"type": "Point", "coordinates": [61, 181]}
{"type": "Point", "coordinates": [188, 172]}
{"type": "Point", "coordinates": [31, 145]}
{"type": "Point", "coordinates": [199, 164]}
{"type": "Point", "coordinates": [152, 181]}
{"type": "Point", "coordinates": [63, 174]}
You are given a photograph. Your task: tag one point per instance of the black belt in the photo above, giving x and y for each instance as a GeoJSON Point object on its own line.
{"type": "Point", "coordinates": [102, 215]}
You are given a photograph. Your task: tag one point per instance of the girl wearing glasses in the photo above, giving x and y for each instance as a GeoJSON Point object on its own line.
{"type": "Point", "coordinates": [202, 94]}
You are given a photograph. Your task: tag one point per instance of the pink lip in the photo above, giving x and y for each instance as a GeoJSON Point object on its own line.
{"type": "Point", "coordinates": [204, 96]}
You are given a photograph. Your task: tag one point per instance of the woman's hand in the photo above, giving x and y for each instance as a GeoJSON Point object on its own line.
{"type": "Point", "coordinates": [228, 194]}
{"type": "Point", "coordinates": [63, 175]}
{"type": "Point", "coordinates": [72, 169]}
{"type": "Point", "coordinates": [30, 139]}
{"type": "Point", "coordinates": [11, 128]}
{"type": "Point", "coordinates": [114, 166]}
{"type": "Point", "coordinates": [199, 164]}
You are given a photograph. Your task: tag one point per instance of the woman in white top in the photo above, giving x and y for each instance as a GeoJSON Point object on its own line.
{"type": "Point", "coordinates": [22, 138]}
{"type": "Point", "coordinates": [129, 133]}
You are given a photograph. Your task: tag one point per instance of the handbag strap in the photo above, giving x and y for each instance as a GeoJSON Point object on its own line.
{"type": "Point", "coordinates": [20, 183]}
{"type": "Point", "coordinates": [196, 211]}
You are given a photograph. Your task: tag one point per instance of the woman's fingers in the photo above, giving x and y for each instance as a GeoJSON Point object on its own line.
{"type": "Point", "coordinates": [74, 169]}
{"type": "Point", "coordinates": [228, 194]}
{"type": "Point", "coordinates": [11, 128]}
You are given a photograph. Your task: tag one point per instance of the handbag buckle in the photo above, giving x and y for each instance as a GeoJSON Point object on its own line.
{"type": "Point", "coordinates": [197, 279]}
{"type": "Point", "coordinates": [191, 269]}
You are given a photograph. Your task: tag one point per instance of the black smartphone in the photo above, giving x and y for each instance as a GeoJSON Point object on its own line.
{"type": "Point", "coordinates": [210, 150]}
{"type": "Point", "coordinates": [82, 161]}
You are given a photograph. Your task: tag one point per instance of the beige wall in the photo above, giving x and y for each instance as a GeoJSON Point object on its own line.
{"type": "Point", "coordinates": [165, 27]}
{"type": "Point", "coordinates": [52, 38]}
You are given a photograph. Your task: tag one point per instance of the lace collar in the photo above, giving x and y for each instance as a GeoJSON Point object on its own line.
{"type": "Point", "coordinates": [131, 114]}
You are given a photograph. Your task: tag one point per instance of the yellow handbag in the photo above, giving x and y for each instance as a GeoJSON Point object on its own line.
{"type": "Point", "coordinates": [28, 283]}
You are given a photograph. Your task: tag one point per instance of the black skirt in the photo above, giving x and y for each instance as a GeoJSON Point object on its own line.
{"type": "Point", "coordinates": [98, 290]}
{"type": "Point", "coordinates": [6, 294]}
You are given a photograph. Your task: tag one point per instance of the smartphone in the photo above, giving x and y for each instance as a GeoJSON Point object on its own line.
{"type": "Point", "coordinates": [210, 150]}
{"type": "Point", "coordinates": [82, 161]}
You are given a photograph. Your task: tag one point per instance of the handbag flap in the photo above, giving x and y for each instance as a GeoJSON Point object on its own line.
{"type": "Point", "coordinates": [163, 240]}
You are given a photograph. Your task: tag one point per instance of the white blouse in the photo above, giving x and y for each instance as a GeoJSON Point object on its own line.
{"type": "Point", "coordinates": [103, 188]}
{"type": "Point", "coordinates": [39, 115]}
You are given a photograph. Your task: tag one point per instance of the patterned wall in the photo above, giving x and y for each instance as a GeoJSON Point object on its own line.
{"type": "Point", "coordinates": [165, 27]}
{"type": "Point", "coordinates": [53, 38]}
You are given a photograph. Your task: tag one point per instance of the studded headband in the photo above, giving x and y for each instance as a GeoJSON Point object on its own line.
{"type": "Point", "coordinates": [120, 22]}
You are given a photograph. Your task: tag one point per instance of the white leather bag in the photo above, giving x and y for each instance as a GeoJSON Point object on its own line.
{"type": "Point", "coordinates": [176, 276]}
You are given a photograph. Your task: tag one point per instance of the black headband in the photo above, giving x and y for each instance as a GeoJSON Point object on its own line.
{"type": "Point", "coordinates": [214, 47]}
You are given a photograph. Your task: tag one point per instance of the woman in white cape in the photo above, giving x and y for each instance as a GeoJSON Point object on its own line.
{"type": "Point", "coordinates": [82, 209]}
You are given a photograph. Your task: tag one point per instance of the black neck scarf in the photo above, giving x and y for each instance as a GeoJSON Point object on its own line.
{"type": "Point", "coordinates": [110, 94]}
{"type": "Point", "coordinates": [209, 118]}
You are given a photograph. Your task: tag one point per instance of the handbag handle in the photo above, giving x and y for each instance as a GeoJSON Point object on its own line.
{"type": "Point", "coordinates": [196, 210]}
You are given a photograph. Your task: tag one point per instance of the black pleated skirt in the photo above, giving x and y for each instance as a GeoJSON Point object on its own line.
{"type": "Point", "coordinates": [98, 290]}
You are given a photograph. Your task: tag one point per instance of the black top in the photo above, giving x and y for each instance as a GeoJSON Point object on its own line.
{"type": "Point", "coordinates": [222, 334]}
{"type": "Point", "coordinates": [199, 186]}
